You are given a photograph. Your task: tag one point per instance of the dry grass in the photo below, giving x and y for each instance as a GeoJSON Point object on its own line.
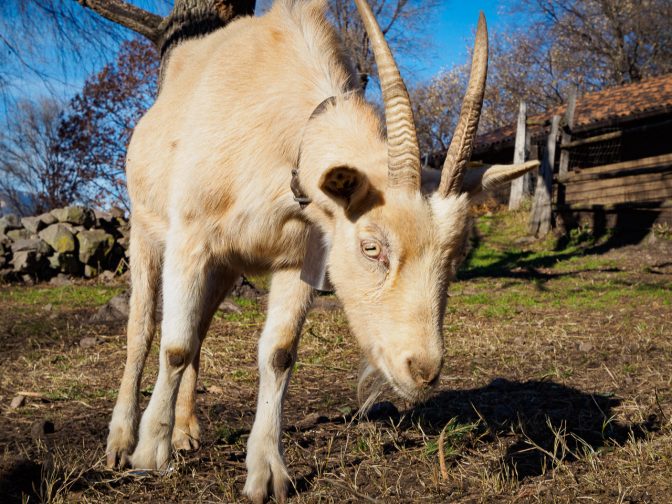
{"type": "Point", "coordinates": [556, 389]}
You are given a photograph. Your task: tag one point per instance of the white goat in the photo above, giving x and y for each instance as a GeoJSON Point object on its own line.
{"type": "Point", "coordinates": [209, 172]}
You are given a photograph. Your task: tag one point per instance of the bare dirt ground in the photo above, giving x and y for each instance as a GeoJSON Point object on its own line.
{"type": "Point", "coordinates": [556, 388]}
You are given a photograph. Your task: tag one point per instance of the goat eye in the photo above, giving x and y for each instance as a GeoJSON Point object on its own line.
{"type": "Point", "coordinates": [371, 249]}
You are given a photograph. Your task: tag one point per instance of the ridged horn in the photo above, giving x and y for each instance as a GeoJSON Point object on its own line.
{"type": "Point", "coordinates": [462, 144]}
{"type": "Point", "coordinates": [403, 150]}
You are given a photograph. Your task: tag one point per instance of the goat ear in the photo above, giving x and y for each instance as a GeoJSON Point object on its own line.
{"type": "Point", "coordinates": [346, 185]}
{"type": "Point", "coordinates": [489, 177]}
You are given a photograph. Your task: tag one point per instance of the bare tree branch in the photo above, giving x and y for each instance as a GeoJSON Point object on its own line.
{"type": "Point", "coordinates": [128, 15]}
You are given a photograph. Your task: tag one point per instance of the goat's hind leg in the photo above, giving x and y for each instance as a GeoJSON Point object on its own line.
{"type": "Point", "coordinates": [289, 301]}
{"type": "Point", "coordinates": [185, 274]}
{"type": "Point", "coordinates": [145, 277]}
{"type": "Point", "coordinates": [187, 433]}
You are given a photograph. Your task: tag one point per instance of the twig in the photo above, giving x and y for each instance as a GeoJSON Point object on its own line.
{"type": "Point", "coordinates": [442, 455]}
{"type": "Point", "coordinates": [660, 407]}
{"type": "Point", "coordinates": [37, 395]}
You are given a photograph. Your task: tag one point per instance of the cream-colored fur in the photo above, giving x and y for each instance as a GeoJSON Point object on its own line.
{"type": "Point", "coordinates": [209, 170]}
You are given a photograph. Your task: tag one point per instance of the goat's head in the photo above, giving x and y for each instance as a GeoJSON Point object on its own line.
{"type": "Point", "coordinates": [393, 250]}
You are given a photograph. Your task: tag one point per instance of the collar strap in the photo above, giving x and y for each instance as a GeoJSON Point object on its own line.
{"type": "Point", "coordinates": [299, 196]}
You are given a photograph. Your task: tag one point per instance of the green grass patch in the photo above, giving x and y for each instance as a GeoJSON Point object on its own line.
{"type": "Point", "coordinates": [71, 296]}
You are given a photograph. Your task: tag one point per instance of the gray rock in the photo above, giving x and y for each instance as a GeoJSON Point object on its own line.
{"type": "Point", "coordinates": [66, 263]}
{"type": "Point", "coordinates": [34, 244]}
{"type": "Point", "coordinates": [47, 219]}
{"type": "Point", "coordinates": [36, 224]}
{"type": "Point", "coordinates": [229, 307]}
{"type": "Point", "coordinates": [89, 342]}
{"type": "Point", "coordinates": [90, 271]}
{"type": "Point", "coordinates": [103, 219]}
{"type": "Point", "coordinates": [61, 280]}
{"type": "Point", "coordinates": [19, 234]}
{"type": "Point", "coordinates": [26, 261]}
{"type": "Point", "coordinates": [5, 244]}
{"type": "Point", "coordinates": [29, 279]}
{"type": "Point", "coordinates": [76, 215]}
{"type": "Point", "coordinates": [116, 309]}
{"type": "Point", "coordinates": [59, 237]}
{"type": "Point", "coordinates": [17, 402]}
{"type": "Point", "coordinates": [245, 289]}
{"type": "Point", "coordinates": [118, 213]}
{"type": "Point", "coordinates": [94, 246]}
{"type": "Point", "coordinates": [107, 277]}
{"type": "Point", "coordinates": [30, 223]}
{"type": "Point", "coordinates": [9, 222]}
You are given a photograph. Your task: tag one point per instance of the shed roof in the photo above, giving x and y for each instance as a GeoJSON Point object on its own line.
{"type": "Point", "coordinates": [649, 97]}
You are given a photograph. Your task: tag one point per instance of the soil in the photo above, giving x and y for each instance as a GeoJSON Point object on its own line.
{"type": "Point", "coordinates": [556, 388]}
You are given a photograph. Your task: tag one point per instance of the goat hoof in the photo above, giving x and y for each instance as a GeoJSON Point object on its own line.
{"type": "Point", "coordinates": [154, 455]}
{"type": "Point", "coordinates": [187, 436]}
{"type": "Point", "coordinates": [117, 459]}
{"type": "Point", "coordinates": [266, 476]}
{"type": "Point", "coordinates": [120, 443]}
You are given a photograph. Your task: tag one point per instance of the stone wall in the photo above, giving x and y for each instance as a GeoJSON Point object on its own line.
{"type": "Point", "coordinates": [74, 241]}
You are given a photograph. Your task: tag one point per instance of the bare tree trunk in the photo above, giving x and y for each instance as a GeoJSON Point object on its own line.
{"type": "Point", "coordinates": [188, 19]}
{"type": "Point", "coordinates": [195, 18]}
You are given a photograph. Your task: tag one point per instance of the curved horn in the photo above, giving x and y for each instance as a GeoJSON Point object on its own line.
{"type": "Point", "coordinates": [403, 150]}
{"type": "Point", "coordinates": [462, 144]}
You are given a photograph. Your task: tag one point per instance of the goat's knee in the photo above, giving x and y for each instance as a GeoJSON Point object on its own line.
{"type": "Point", "coordinates": [177, 358]}
{"type": "Point", "coordinates": [281, 360]}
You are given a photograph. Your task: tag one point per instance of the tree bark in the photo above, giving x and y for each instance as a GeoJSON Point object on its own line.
{"type": "Point", "coordinates": [195, 18]}
{"type": "Point", "coordinates": [123, 13]}
{"type": "Point", "coordinates": [189, 18]}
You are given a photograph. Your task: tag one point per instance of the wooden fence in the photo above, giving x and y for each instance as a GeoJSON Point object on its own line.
{"type": "Point", "coordinates": [630, 194]}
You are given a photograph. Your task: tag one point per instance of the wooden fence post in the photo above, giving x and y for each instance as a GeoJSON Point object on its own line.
{"type": "Point", "coordinates": [540, 218]}
{"type": "Point", "coordinates": [520, 186]}
{"type": "Point", "coordinates": [566, 139]}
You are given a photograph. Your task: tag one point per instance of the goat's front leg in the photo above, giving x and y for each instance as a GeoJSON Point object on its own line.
{"type": "Point", "coordinates": [289, 301]}
{"type": "Point", "coordinates": [184, 294]}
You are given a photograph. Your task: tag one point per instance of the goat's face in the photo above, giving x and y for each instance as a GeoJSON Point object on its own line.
{"type": "Point", "coordinates": [390, 268]}
{"type": "Point", "coordinates": [393, 250]}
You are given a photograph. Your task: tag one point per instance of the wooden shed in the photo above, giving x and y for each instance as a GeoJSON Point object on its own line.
{"type": "Point", "coordinates": [610, 155]}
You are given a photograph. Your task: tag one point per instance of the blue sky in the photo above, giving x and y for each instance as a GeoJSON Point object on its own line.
{"type": "Point", "coordinates": [450, 32]}
{"type": "Point", "coordinates": [453, 29]}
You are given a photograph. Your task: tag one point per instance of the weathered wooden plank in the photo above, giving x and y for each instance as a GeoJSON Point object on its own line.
{"type": "Point", "coordinates": [625, 197]}
{"type": "Point", "coordinates": [635, 181]}
{"type": "Point", "coordinates": [663, 205]}
{"type": "Point", "coordinates": [518, 191]}
{"type": "Point", "coordinates": [630, 172]}
{"type": "Point", "coordinates": [619, 169]}
{"type": "Point", "coordinates": [617, 134]}
{"type": "Point", "coordinates": [591, 140]}
{"type": "Point", "coordinates": [566, 139]}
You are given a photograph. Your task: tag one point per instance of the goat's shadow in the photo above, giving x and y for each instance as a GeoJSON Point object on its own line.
{"type": "Point", "coordinates": [549, 422]}
{"type": "Point", "coordinates": [545, 423]}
